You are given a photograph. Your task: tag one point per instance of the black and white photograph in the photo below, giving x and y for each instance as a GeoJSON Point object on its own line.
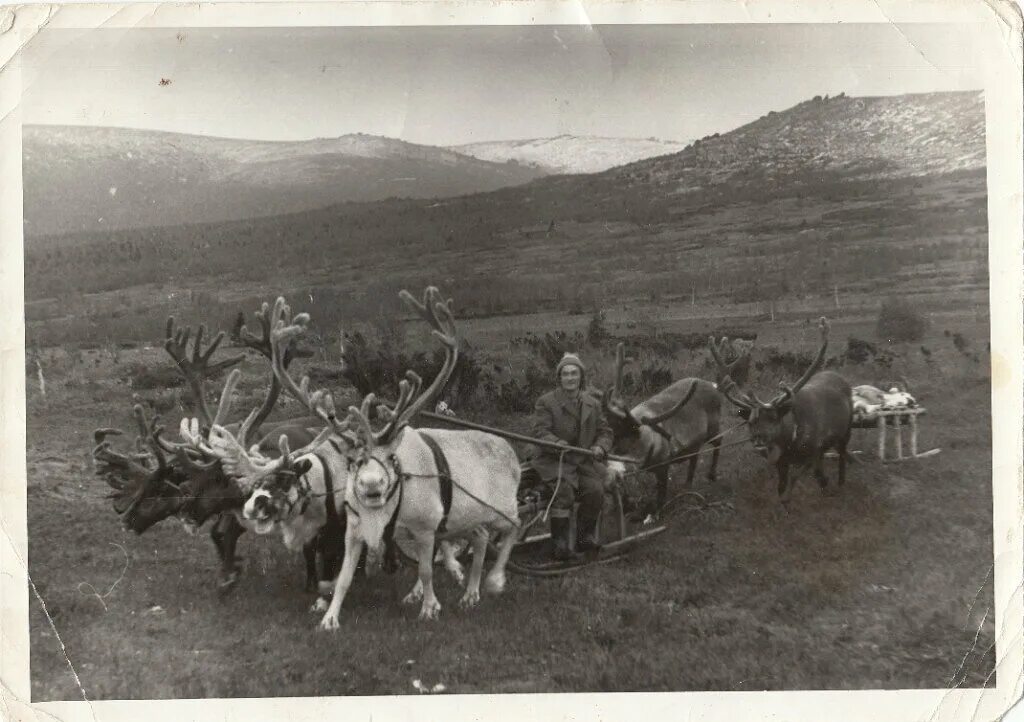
{"type": "Point", "coordinates": [417, 356]}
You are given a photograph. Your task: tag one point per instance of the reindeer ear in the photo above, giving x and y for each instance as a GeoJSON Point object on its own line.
{"type": "Point", "coordinates": [302, 466]}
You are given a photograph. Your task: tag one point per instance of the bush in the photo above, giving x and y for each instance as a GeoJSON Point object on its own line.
{"type": "Point", "coordinates": [143, 378]}
{"type": "Point", "coordinates": [597, 332]}
{"type": "Point", "coordinates": [859, 351]}
{"type": "Point", "coordinates": [551, 346]}
{"type": "Point", "coordinates": [898, 320]}
{"type": "Point", "coordinates": [519, 396]}
{"type": "Point", "coordinates": [379, 369]}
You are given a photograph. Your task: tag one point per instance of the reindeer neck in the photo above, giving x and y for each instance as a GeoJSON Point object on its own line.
{"type": "Point", "coordinates": [654, 444]}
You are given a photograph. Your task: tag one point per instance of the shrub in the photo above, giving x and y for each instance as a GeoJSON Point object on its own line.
{"type": "Point", "coordinates": [898, 320]}
{"type": "Point", "coordinates": [650, 379]}
{"type": "Point", "coordinates": [142, 377]}
{"type": "Point", "coordinates": [597, 332]}
{"type": "Point", "coordinates": [517, 395]}
{"type": "Point", "coordinates": [552, 345]}
{"type": "Point", "coordinates": [379, 369]}
{"type": "Point", "coordinates": [859, 351]}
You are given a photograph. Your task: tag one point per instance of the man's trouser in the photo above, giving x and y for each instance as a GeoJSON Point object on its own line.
{"type": "Point", "coordinates": [583, 482]}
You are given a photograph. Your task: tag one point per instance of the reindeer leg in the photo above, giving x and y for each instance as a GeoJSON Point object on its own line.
{"type": "Point", "coordinates": [451, 561]}
{"type": "Point", "coordinates": [691, 471]}
{"type": "Point", "coordinates": [472, 595]}
{"type": "Point", "coordinates": [425, 552]}
{"type": "Point", "coordinates": [783, 469]}
{"type": "Point", "coordinates": [713, 472]}
{"type": "Point", "coordinates": [312, 575]}
{"type": "Point", "coordinates": [662, 476]}
{"type": "Point", "coordinates": [353, 548]}
{"type": "Point", "coordinates": [225, 534]}
{"type": "Point", "coordinates": [495, 582]}
{"type": "Point", "coordinates": [819, 470]}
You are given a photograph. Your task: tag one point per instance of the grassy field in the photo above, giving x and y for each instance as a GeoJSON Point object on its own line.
{"type": "Point", "coordinates": [885, 584]}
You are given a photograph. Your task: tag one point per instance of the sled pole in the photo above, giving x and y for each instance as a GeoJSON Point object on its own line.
{"type": "Point", "coordinates": [455, 421]}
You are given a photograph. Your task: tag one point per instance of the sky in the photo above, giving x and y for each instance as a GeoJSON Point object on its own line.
{"type": "Point", "coordinates": [454, 85]}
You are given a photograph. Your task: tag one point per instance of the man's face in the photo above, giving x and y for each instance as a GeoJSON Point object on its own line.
{"type": "Point", "coordinates": [570, 378]}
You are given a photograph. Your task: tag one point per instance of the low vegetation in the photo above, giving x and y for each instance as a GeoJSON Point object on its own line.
{"type": "Point", "coordinates": [884, 585]}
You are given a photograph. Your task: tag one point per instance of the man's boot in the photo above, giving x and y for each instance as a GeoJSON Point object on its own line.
{"type": "Point", "coordinates": [588, 540]}
{"type": "Point", "coordinates": [560, 539]}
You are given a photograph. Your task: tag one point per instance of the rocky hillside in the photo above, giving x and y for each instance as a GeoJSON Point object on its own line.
{"type": "Point", "coordinates": [569, 154]}
{"type": "Point", "coordinates": [81, 179]}
{"type": "Point", "coordinates": [860, 138]}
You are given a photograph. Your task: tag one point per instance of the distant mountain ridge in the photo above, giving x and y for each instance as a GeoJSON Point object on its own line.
{"type": "Point", "coordinates": [569, 154]}
{"type": "Point", "coordinates": [83, 178]}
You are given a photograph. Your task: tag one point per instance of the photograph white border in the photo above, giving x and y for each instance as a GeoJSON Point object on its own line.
{"type": "Point", "coordinates": [1003, 99]}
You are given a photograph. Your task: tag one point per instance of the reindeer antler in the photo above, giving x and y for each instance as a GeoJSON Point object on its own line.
{"type": "Point", "coordinates": [654, 420]}
{"type": "Point", "coordinates": [197, 368]}
{"type": "Point", "coordinates": [612, 398]}
{"type": "Point", "coordinates": [727, 386]}
{"type": "Point", "coordinates": [789, 391]}
{"type": "Point", "coordinates": [283, 331]}
{"type": "Point", "coordinates": [437, 312]}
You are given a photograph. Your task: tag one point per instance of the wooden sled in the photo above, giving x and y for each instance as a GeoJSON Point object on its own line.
{"type": "Point", "coordinates": [897, 419]}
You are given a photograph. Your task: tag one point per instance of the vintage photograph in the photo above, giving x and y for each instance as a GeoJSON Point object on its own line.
{"type": "Point", "coordinates": [420, 360]}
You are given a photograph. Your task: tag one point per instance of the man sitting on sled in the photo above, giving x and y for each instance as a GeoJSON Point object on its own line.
{"type": "Point", "coordinates": [570, 417]}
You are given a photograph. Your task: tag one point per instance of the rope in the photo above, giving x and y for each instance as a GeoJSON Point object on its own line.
{"type": "Point", "coordinates": [705, 448]}
{"type": "Point", "coordinates": [558, 483]}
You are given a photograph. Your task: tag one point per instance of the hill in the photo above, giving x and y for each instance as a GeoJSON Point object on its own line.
{"type": "Point", "coordinates": [81, 179]}
{"type": "Point", "coordinates": [860, 138]}
{"type": "Point", "coordinates": [865, 195]}
{"type": "Point", "coordinates": [568, 154]}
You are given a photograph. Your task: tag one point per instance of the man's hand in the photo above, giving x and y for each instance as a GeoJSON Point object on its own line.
{"type": "Point", "coordinates": [599, 453]}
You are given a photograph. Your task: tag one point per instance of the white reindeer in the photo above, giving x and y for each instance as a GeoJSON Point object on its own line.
{"type": "Point", "coordinates": [396, 475]}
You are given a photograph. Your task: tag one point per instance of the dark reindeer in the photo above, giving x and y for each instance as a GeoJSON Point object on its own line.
{"type": "Point", "coordinates": [680, 419]}
{"type": "Point", "coordinates": [175, 479]}
{"type": "Point", "coordinates": [802, 422]}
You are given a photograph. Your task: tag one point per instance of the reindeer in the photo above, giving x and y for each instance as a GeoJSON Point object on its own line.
{"type": "Point", "coordinates": [302, 494]}
{"type": "Point", "coordinates": [435, 484]}
{"type": "Point", "coordinates": [174, 479]}
{"type": "Point", "coordinates": [802, 422]}
{"type": "Point", "coordinates": [680, 419]}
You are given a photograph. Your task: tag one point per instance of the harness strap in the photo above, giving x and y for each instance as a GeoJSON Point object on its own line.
{"type": "Point", "coordinates": [444, 478]}
{"type": "Point", "coordinates": [334, 522]}
{"type": "Point", "coordinates": [389, 530]}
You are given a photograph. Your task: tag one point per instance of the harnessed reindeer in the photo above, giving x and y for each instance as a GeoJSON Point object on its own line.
{"type": "Point", "coordinates": [676, 421]}
{"type": "Point", "coordinates": [435, 484]}
{"type": "Point", "coordinates": [185, 482]}
{"type": "Point", "coordinates": [301, 493]}
{"type": "Point", "coordinates": [802, 422]}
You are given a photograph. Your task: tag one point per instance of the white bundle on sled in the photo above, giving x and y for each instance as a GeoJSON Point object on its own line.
{"type": "Point", "coordinates": [869, 400]}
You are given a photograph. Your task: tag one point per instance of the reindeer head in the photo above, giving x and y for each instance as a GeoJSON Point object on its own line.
{"type": "Point", "coordinates": [626, 427]}
{"type": "Point", "coordinates": [271, 489]}
{"type": "Point", "coordinates": [770, 424]}
{"type": "Point", "coordinates": [147, 487]}
{"type": "Point", "coordinates": [188, 481]}
{"type": "Point", "coordinates": [373, 465]}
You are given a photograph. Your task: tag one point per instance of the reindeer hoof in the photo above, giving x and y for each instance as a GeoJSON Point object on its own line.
{"type": "Point", "coordinates": [414, 596]}
{"type": "Point", "coordinates": [319, 606]}
{"type": "Point", "coordinates": [470, 599]}
{"type": "Point", "coordinates": [329, 623]}
{"type": "Point", "coordinates": [430, 610]}
{"type": "Point", "coordinates": [495, 584]}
